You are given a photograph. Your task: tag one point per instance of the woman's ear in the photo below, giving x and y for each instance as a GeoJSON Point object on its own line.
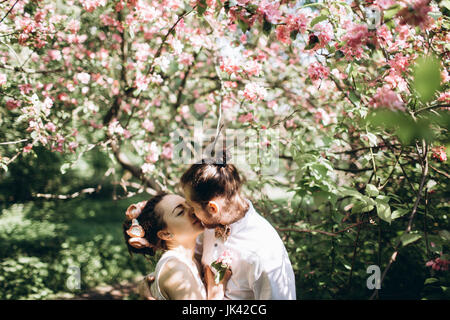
{"type": "Point", "coordinates": [164, 235]}
{"type": "Point", "coordinates": [213, 207]}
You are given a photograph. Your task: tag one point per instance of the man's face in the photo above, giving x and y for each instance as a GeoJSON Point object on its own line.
{"type": "Point", "coordinates": [209, 220]}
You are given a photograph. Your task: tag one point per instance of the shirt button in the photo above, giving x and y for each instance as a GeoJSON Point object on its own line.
{"type": "Point", "coordinates": [215, 244]}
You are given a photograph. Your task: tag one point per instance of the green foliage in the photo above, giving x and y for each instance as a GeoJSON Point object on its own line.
{"type": "Point", "coordinates": [40, 242]}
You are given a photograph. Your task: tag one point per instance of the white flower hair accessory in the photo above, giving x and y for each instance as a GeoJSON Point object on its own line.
{"type": "Point", "coordinates": [136, 232]}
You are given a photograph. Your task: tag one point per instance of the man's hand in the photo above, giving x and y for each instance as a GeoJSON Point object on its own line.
{"type": "Point", "coordinates": [144, 287]}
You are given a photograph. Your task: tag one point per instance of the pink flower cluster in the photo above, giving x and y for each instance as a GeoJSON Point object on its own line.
{"type": "Point", "coordinates": [438, 264]}
{"type": "Point", "coordinates": [91, 5]}
{"type": "Point", "coordinates": [297, 22]}
{"type": "Point", "coordinates": [2, 79]}
{"type": "Point", "coordinates": [324, 32]}
{"type": "Point", "coordinates": [416, 13]}
{"type": "Point", "coordinates": [248, 117]}
{"type": "Point", "coordinates": [225, 258]}
{"type": "Point", "coordinates": [254, 92]}
{"type": "Point", "coordinates": [399, 63]}
{"type": "Point", "coordinates": [317, 71]}
{"type": "Point", "coordinates": [439, 153]}
{"type": "Point", "coordinates": [387, 98]}
{"type": "Point", "coordinates": [269, 10]}
{"type": "Point", "coordinates": [356, 36]}
{"type": "Point", "coordinates": [167, 152]}
{"type": "Point", "coordinates": [230, 66]}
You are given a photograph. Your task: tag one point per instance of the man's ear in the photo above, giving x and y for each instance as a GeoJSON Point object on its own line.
{"type": "Point", "coordinates": [213, 207]}
{"type": "Point", "coordinates": [164, 235]}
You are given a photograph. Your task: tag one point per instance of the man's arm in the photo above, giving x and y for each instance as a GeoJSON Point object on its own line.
{"type": "Point", "coordinates": [273, 284]}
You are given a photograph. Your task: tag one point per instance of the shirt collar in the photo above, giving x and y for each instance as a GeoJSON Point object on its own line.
{"type": "Point", "coordinates": [241, 223]}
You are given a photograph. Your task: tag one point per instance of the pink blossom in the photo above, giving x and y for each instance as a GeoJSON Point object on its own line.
{"type": "Point", "coordinates": [25, 88]}
{"type": "Point", "coordinates": [399, 63]}
{"type": "Point", "coordinates": [416, 14]}
{"type": "Point", "coordinates": [254, 92]}
{"type": "Point", "coordinates": [387, 98]}
{"type": "Point", "coordinates": [200, 107]}
{"type": "Point", "coordinates": [153, 152]}
{"type": "Point", "coordinates": [384, 35]}
{"type": "Point", "coordinates": [72, 146]}
{"type": "Point", "coordinates": [2, 79]}
{"type": "Point", "coordinates": [283, 34]}
{"type": "Point", "coordinates": [142, 82]}
{"type": "Point", "coordinates": [13, 104]}
{"type": "Point", "coordinates": [297, 22]}
{"type": "Point", "coordinates": [148, 125]}
{"type": "Point", "coordinates": [84, 77]}
{"type": "Point", "coordinates": [27, 148]}
{"type": "Point", "coordinates": [317, 71]}
{"type": "Point", "coordinates": [225, 258]}
{"type": "Point", "coordinates": [230, 66]}
{"type": "Point", "coordinates": [269, 9]}
{"type": "Point", "coordinates": [185, 58]}
{"type": "Point", "coordinates": [246, 118]}
{"type": "Point", "coordinates": [438, 264]}
{"type": "Point", "coordinates": [444, 97]}
{"type": "Point", "coordinates": [167, 152]}
{"type": "Point", "coordinates": [252, 68]}
{"type": "Point", "coordinates": [324, 31]}
{"type": "Point", "coordinates": [73, 26]}
{"type": "Point", "coordinates": [91, 5]}
{"type": "Point", "coordinates": [395, 80]}
{"type": "Point", "coordinates": [50, 126]}
{"type": "Point", "coordinates": [356, 36]}
{"type": "Point", "coordinates": [384, 4]}
{"type": "Point", "coordinates": [290, 123]}
{"type": "Point", "coordinates": [439, 153]}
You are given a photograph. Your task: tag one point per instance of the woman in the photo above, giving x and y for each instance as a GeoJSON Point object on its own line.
{"type": "Point", "coordinates": [166, 222]}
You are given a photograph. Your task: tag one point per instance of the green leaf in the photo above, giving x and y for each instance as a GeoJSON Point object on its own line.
{"type": "Point", "coordinates": [431, 280]}
{"type": "Point", "coordinates": [427, 77]}
{"type": "Point", "coordinates": [201, 7]}
{"type": "Point", "coordinates": [318, 19]}
{"type": "Point", "coordinates": [242, 25]}
{"type": "Point", "coordinates": [384, 210]}
{"type": "Point", "coordinates": [408, 238]}
{"type": "Point", "coordinates": [399, 213]}
{"type": "Point", "coordinates": [294, 34]}
{"type": "Point", "coordinates": [391, 12]}
{"type": "Point", "coordinates": [444, 234]}
{"type": "Point", "coordinates": [65, 167]}
{"type": "Point", "coordinates": [372, 191]}
{"type": "Point", "coordinates": [267, 27]}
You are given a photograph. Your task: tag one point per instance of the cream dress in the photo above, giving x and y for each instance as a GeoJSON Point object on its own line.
{"type": "Point", "coordinates": [180, 258]}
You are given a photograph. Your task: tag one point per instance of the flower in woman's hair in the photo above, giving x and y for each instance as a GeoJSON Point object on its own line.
{"type": "Point", "coordinates": [134, 210]}
{"type": "Point", "coordinates": [221, 265]}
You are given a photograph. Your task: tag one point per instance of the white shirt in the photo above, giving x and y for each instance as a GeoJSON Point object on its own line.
{"type": "Point", "coordinates": [260, 265]}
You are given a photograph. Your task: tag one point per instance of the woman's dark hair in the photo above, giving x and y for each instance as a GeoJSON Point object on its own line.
{"type": "Point", "coordinates": [208, 180]}
{"type": "Point", "coordinates": [152, 222]}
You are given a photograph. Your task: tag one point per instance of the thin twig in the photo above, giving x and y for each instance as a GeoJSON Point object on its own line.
{"type": "Point", "coordinates": [424, 160]}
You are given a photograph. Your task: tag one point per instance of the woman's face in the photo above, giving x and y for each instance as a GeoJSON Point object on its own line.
{"type": "Point", "coordinates": [179, 218]}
